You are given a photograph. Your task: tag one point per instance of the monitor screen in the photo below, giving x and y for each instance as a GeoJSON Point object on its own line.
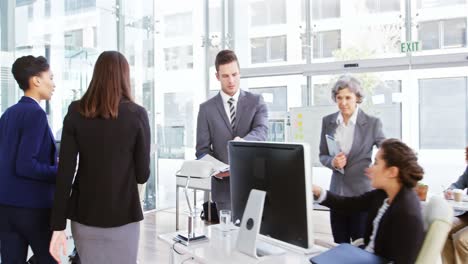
{"type": "Point", "coordinates": [283, 171]}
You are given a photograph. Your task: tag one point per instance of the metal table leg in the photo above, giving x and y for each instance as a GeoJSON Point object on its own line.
{"type": "Point", "coordinates": [177, 208]}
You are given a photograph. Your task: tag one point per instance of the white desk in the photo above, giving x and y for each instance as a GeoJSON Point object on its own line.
{"type": "Point", "coordinates": [220, 248]}
{"type": "Point", "coordinates": [461, 206]}
{"type": "Point", "coordinates": [202, 184]}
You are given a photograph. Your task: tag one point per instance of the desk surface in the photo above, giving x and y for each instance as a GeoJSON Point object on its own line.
{"type": "Point", "coordinates": [461, 206]}
{"type": "Point", "coordinates": [221, 248]}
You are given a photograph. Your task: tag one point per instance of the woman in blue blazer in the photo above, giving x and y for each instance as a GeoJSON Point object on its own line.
{"type": "Point", "coordinates": [357, 133]}
{"type": "Point", "coordinates": [28, 166]}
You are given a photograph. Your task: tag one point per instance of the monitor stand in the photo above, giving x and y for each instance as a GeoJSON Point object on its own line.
{"type": "Point", "coordinates": [250, 227]}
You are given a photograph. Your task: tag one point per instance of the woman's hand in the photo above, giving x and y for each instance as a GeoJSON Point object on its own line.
{"type": "Point", "coordinates": [58, 241]}
{"type": "Point", "coordinates": [316, 190]}
{"type": "Point", "coordinates": [339, 161]}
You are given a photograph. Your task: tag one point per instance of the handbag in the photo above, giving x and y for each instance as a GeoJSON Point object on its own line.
{"type": "Point", "coordinates": [214, 212]}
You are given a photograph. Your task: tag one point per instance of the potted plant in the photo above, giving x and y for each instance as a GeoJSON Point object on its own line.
{"type": "Point", "coordinates": [421, 191]}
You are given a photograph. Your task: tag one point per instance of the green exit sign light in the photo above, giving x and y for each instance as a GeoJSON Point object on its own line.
{"type": "Point", "coordinates": [410, 46]}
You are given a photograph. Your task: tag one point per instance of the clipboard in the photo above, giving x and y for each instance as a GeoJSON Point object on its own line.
{"type": "Point", "coordinates": [333, 148]}
{"type": "Point", "coordinates": [346, 253]}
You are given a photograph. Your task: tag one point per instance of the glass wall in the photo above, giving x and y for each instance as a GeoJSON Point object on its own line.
{"type": "Point", "coordinates": [418, 95]}
{"type": "Point", "coordinates": [440, 25]}
{"type": "Point", "coordinates": [138, 45]}
{"type": "Point", "coordinates": [71, 34]}
{"type": "Point", "coordinates": [181, 87]}
{"type": "Point", "coordinates": [290, 52]}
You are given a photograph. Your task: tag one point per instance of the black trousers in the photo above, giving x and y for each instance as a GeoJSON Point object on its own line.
{"type": "Point", "coordinates": [23, 227]}
{"type": "Point", "coordinates": [347, 227]}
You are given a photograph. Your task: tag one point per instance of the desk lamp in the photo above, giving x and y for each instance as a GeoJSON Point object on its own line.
{"type": "Point", "coordinates": [192, 169]}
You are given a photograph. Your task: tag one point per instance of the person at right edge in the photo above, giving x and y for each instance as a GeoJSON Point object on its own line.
{"type": "Point", "coordinates": [356, 133]}
{"type": "Point", "coordinates": [233, 114]}
{"type": "Point", "coordinates": [456, 247]}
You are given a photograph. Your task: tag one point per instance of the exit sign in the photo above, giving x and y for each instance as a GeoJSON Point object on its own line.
{"type": "Point", "coordinates": [410, 46]}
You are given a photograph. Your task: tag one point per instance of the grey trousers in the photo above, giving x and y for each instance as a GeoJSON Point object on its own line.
{"type": "Point", "coordinates": [116, 245]}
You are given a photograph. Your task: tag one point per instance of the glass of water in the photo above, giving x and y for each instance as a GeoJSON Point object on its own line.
{"type": "Point", "coordinates": [225, 219]}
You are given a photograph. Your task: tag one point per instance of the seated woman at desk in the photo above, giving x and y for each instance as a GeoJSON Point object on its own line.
{"type": "Point", "coordinates": [394, 227]}
{"type": "Point", "coordinates": [456, 246]}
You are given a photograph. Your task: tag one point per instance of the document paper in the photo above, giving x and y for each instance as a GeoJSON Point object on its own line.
{"type": "Point", "coordinates": [333, 149]}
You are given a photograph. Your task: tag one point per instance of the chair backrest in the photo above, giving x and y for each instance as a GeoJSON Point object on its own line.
{"type": "Point", "coordinates": [438, 216]}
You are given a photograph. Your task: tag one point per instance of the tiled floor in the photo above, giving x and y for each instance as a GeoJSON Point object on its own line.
{"type": "Point", "coordinates": [152, 250]}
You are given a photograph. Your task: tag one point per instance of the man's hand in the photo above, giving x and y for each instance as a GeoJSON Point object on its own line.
{"type": "Point", "coordinates": [222, 175]}
{"type": "Point", "coordinates": [238, 139]}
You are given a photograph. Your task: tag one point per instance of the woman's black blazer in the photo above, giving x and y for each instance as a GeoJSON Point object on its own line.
{"type": "Point", "coordinates": [401, 231]}
{"type": "Point", "coordinates": [114, 156]}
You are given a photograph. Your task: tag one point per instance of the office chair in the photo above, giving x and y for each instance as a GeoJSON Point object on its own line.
{"type": "Point", "coordinates": [437, 216]}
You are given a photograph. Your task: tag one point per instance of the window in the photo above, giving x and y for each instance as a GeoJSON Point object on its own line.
{"type": "Point", "coordinates": [322, 94]}
{"type": "Point", "coordinates": [436, 3]}
{"type": "Point", "coordinates": [73, 39]}
{"type": "Point", "coordinates": [47, 8]}
{"type": "Point", "coordinates": [7, 88]}
{"type": "Point", "coordinates": [322, 9]}
{"type": "Point", "coordinates": [150, 59]}
{"type": "Point", "coordinates": [305, 95]}
{"type": "Point", "coordinates": [31, 11]}
{"type": "Point", "coordinates": [95, 40]}
{"type": "Point", "coordinates": [215, 19]}
{"type": "Point", "coordinates": [178, 25]}
{"type": "Point", "coordinates": [74, 6]}
{"type": "Point", "coordinates": [177, 108]}
{"type": "Point", "coordinates": [267, 12]}
{"type": "Point", "coordinates": [443, 113]}
{"type": "Point", "coordinates": [387, 106]}
{"type": "Point", "coordinates": [326, 42]}
{"type": "Point", "coordinates": [275, 98]}
{"type": "Point", "coordinates": [24, 2]}
{"type": "Point", "coordinates": [455, 33]}
{"type": "Point", "coordinates": [378, 6]}
{"type": "Point", "coordinates": [178, 58]}
{"type": "Point", "coordinates": [269, 49]}
{"type": "Point", "coordinates": [449, 33]}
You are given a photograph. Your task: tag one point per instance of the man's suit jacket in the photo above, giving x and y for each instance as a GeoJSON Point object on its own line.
{"type": "Point", "coordinates": [462, 181]}
{"type": "Point", "coordinates": [401, 232]}
{"type": "Point", "coordinates": [214, 131]}
{"type": "Point", "coordinates": [28, 159]}
{"type": "Point", "coordinates": [367, 133]}
{"type": "Point", "coordinates": [114, 156]}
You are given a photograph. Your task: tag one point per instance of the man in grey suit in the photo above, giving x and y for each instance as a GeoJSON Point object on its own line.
{"type": "Point", "coordinates": [233, 114]}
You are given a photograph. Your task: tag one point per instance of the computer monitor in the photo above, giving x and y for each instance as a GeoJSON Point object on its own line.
{"type": "Point", "coordinates": [283, 171]}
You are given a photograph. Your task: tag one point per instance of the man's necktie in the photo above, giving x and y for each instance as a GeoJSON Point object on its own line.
{"type": "Point", "coordinates": [232, 110]}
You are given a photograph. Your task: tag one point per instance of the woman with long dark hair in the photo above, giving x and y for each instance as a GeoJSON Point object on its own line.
{"type": "Point", "coordinates": [111, 135]}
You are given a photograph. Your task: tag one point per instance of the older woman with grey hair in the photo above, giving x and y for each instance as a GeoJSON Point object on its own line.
{"type": "Point", "coordinates": [356, 133]}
